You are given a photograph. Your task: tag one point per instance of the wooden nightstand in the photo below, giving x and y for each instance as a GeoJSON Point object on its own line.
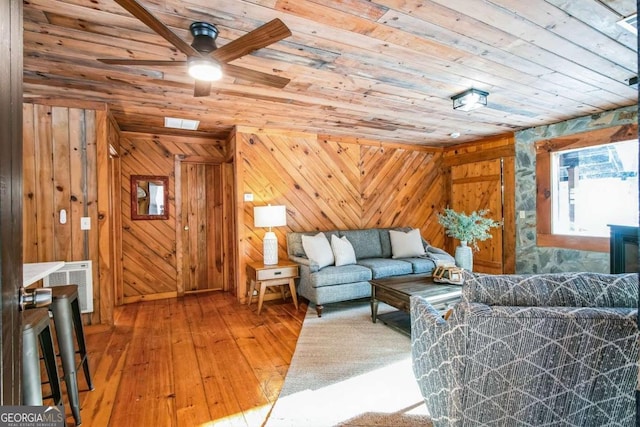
{"type": "Point", "coordinates": [279, 274]}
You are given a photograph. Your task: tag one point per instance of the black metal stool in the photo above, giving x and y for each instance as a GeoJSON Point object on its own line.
{"type": "Point", "coordinates": [35, 323]}
{"type": "Point", "coordinates": [66, 317]}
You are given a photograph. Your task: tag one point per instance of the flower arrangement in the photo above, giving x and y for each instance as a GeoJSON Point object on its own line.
{"type": "Point", "coordinates": [470, 228]}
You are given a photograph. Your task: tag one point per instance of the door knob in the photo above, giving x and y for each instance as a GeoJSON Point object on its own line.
{"type": "Point", "coordinates": [34, 298]}
{"type": "Point", "coordinates": [186, 228]}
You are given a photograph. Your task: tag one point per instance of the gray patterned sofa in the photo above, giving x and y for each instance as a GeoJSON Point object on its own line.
{"type": "Point", "coordinates": [374, 260]}
{"type": "Point", "coordinates": [531, 350]}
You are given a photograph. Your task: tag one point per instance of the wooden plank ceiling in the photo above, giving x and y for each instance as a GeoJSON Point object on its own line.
{"type": "Point", "coordinates": [381, 69]}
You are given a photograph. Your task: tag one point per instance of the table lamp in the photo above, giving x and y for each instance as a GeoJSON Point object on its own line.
{"type": "Point", "coordinates": [270, 216]}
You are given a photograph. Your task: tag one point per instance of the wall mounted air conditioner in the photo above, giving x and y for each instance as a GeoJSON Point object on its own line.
{"type": "Point", "coordinates": [75, 273]}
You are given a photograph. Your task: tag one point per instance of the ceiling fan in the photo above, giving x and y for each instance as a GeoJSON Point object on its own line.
{"type": "Point", "coordinates": [205, 61]}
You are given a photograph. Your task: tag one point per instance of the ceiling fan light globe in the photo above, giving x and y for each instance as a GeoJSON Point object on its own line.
{"type": "Point", "coordinates": [204, 69]}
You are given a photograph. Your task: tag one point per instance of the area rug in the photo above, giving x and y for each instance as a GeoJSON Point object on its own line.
{"type": "Point", "coordinates": [348, 371]}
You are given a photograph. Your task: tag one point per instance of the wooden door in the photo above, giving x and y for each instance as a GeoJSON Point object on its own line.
{"type": "Point", "coordinates": [10, 198]}
{"type": "Point", "coordinates": [201, 225]}
{"type": "Point", "coordinates": [476, 186]}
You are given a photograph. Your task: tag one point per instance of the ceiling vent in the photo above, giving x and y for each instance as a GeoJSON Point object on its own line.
{"type": "Point", "coordinates": [172, 122]}
{"type": "Point", "coordinates": [630, 23]}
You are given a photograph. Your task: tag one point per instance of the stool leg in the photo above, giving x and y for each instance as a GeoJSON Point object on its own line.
{"type": "Point", "coordinates": [31, 382]}
{"type": "Point", "coordinates": [46, 342]}
{"type": "Point", "coordinates": [63, 320]}
{"type": "Point", "coordinates": [77, 322]}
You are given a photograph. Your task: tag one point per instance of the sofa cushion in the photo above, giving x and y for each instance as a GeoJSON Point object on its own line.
{"type": "Point", "coordinates": [294, 241]}
{"type": "Point", "coordinates": [342, 251]}
{"type": "Point", "coordinates": [421, 265]}
{"type": "Point", "coordinates": [318, 249]}
{"type": "Point", "coordinates": [385, 267]}
{"type": "Point", "coordinates": [332, 275]}
{"type": "Point", "coordinates": [405, 245]}
{"type": "Point", "coordinates": [366, 243]}
{"type": "Point", "coordinates": [385, 243]}
{"type": "Point", "coordinates": [385, 240]}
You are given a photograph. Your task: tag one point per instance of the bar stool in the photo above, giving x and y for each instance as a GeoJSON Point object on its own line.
{"type": "Point", "coordinates": [35, 323]}
{"type": "Point", "coordinates": [66, 317]}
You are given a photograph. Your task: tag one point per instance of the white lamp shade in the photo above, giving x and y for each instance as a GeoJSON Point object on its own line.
{"type": "Point", "coordinates": [269, 216]}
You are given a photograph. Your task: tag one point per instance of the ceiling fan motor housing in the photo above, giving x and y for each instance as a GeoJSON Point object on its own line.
{"type": "Point", "coordinates": [204, 36]}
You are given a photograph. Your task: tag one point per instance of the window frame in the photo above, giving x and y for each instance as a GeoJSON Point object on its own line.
{"type": "Point", "coordinates": [544, 214]}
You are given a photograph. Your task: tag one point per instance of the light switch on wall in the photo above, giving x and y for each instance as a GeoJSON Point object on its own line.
{"type": "Point", "coordinates": [85, 223]}
{"type": "Point", "coordinates": [248, 197]}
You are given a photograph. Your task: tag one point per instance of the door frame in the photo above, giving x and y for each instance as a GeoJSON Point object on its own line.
{"type": "Point", "coordinates": [11, 239]}
{"type": "Point", "coordinates": [479, 185]}
{"type": "Point", "coordinates": [179, 159]}
{"type": "Point", "coordinates": [507, 157]}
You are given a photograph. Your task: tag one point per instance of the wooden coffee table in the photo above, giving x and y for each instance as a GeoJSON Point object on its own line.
{"type": "Point", "coordinates": [397, 291]}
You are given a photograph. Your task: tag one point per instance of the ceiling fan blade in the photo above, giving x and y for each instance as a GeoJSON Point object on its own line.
{"type": "Point", "coordinates": [142, 62]}
{"type": "Point", "coordinates": [263, 36]}
{"type": "Point", "coordinates": [137, 10]}
{"type": "Point", "coordinates": [255, 76]}
{"type": "Point", "coordinates": [202, 88]}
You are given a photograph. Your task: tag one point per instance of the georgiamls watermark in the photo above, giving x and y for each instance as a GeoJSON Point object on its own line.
{"type": "Point", "coordinates": [32, 416]}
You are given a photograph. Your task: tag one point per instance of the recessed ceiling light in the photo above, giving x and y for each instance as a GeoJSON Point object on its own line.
{"type": "Point", "coordinates": [455, 135]}
{"type": "Point", "coordinates": [172, 122]}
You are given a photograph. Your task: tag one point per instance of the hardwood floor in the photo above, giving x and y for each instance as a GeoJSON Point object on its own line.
{"type": "Point", "coordinates": [197, 361]}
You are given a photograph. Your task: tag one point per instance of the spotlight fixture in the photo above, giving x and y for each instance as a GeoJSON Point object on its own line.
{"type": "Point", "coordinates": [470, 100]}
{"type": "Point", "coordinates": [206, 69]}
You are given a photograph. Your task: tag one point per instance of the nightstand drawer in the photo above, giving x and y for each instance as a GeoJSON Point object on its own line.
{"type": "Point", "coordinates": [277, 273]}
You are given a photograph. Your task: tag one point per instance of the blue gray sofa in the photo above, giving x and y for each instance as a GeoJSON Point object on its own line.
{"type": "Point", "coordinates": [373, 252]}
{"type": "Point", "coordinates": [531, 350]}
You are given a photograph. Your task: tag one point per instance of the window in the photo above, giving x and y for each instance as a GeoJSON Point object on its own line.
{"type": "Point", "coordinates": [593, 187]}
{"type": "Point", "coordinates": [585, 182]}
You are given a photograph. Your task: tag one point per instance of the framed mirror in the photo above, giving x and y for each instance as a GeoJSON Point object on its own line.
{"type": "Point", "coordinates": [149, 197]}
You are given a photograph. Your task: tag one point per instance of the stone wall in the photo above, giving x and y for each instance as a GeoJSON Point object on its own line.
{"type": "Point", "coordinates": [529, 257]}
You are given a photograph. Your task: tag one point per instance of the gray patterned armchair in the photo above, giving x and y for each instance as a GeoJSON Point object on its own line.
{"type": "Point", "coordinates": [531, 350]}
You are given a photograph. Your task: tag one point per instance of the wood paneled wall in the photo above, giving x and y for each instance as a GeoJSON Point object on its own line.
{"type": "Point", "coordinates": [326, 183]}
{"type": "Point", "coordinates": [332, 184]}
{"type": "Point", "coordinates": [149, 246]}
{"type": "Point", "coordinates": [402, 187]}
{"type": "Point", "coordinates": [65, 152]}
{"type": "Point", "coordinates": [59, 173]}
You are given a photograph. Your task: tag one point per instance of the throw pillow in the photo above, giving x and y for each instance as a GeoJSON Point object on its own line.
{"type": "Point", "coordinates": [318, 249]}
{"type": "Point", "coordinates": [406, 245]}
{"type": "Point", "coordinates": [342, 251]}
